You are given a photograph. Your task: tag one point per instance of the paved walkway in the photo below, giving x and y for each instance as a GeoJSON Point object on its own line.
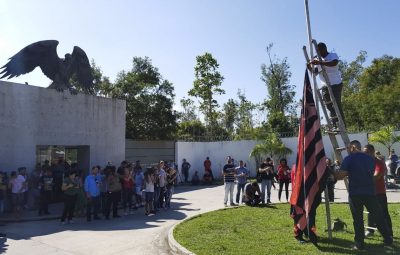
{"type": "Point", "coordinates": [133, 234]}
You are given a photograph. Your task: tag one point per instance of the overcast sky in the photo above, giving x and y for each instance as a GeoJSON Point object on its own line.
{"type": "Point", "coordinates": [172, 33]}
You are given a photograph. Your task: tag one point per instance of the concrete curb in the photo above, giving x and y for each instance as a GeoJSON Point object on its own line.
{"type": "Point", "coordinates": [174, 246]}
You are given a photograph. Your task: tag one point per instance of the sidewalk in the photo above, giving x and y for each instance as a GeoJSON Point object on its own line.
{"type": "Point", "coordinates": [341, 196]}
{"type": "Point", "coordinates": [32, 215]}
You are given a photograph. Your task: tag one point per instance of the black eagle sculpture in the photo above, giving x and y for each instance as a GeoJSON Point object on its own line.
{"type": "Point", "coordinates": [59, 70]}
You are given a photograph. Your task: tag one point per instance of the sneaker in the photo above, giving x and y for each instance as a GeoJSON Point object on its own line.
{"type": "Point", "coordinates": [268, 201]}
{"type": "Point", "coordinates": [300, 239]}
{"type": "Point", "coordinates": [233, 204]}
{"type": "Point", "coordinates": [357, 247]}
{"type": "Point", "coordinates": [368, 233]}
{"type": "Point", "coordinates": [225, 205]}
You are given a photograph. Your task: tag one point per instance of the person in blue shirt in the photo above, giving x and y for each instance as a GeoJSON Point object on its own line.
{"type": "Point", "coordinates": [359, 167]}
{"type": "Point", "coordinates": [92, 190]}
{"type": "Point", "coordinates": [241, 174]}
{"type": "Point", "coordinates": [139, 183]}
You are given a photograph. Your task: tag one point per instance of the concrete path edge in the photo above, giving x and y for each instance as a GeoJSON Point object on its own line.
{"type": "Point", "coordinates": [175, 247]}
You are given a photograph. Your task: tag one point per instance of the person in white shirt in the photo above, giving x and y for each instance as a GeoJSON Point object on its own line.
{"type": "Point", "coordinates": [330, 61]}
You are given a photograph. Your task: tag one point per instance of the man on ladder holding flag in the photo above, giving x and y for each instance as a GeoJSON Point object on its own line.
{"type": "Point", "coordinates": [330, 61]}
{"type": "Point", "coordinates": [310, 173]}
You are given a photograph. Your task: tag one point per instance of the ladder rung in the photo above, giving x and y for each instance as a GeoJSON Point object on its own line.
{"type": "Point", "coordinates": [334, 117]}
{"type": "Point", "coordinates": [335, 132]}
{"type": "Point", "coordinates": [329, 102]}
{"type": "Point", "coordinates": [341, 148]}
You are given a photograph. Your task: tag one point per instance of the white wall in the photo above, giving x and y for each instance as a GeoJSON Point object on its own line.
{"type": "Point", "coordinates": [196, 152]}
{"type": "Point", "coordinates": [31, 116]}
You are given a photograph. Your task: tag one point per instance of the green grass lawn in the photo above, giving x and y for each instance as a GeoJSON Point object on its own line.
{"type": "Point", "coordinates": [269, 230]}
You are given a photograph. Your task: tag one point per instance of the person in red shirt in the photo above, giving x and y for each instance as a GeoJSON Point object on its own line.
{"type": "Point", "coordinates": [127, 189]}
{"type": "Point", "coordinates": [207, 168]}
{"type": "Point", "coordinates": [380, 190]}
{"type": "Point", "coordinates": [283, 178]}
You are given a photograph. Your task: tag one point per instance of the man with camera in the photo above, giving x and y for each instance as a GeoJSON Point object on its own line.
{"type": "Point", "coordinates": [92, 189]}
{"type": "Point", "coordinates": [267, 174]}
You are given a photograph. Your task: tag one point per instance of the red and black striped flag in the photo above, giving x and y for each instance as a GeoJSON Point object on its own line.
{"type": "Point", "coordinates": [309, 177]}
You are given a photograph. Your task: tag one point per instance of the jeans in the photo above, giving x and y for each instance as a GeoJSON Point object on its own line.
{"type": "Point", "coordinates": [337, 94]}
{"type": "Point", "coordinates": [69, 206]}
{"type": "Point", "coordinates": [127, 198]}
{"type": "Point", "coordinates": [266, 183]}
{"type": "Point", "coordinates": [95, 203]}
{"type": "Point", "coordinates": [240, 187]}
{"type": "Point", "coordinates": [229, 187]}
{"type": "Point", "coordinates": [112, 198]}
{"type": "Point", "coordinates": [331, 190]}
{"type": "Point", "coordinates": [157, 191]}
{"type": "Point", "coordinates": [45, 197]}
{"type": "Point", "coordinates": [382, 200]}
{"type": "Point", "coordinates": [163, 196]}
{"type": "Point", "coordinates": [170, 192]}
{"type": "Point", "coordinates": [357, 203]}
{"type": "Point", "coordinates": [185, 174]}
{"type": "Point", "coordinates": [1, 205]}
{"type": "Point", "coordinates": [281, 182]}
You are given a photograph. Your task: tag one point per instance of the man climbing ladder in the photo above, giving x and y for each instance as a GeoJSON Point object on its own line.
{"type": "Point", "coordinates": [330, 61]}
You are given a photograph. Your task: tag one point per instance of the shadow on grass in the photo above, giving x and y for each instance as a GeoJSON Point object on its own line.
{"type": "Point", "coordinates": [343, 246]}
{"type": "Point", "coordinates": [336, 245]}
{"type": "Point", "coordinates": [267, 206]}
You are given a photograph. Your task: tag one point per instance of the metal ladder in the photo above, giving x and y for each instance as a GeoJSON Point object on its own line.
{"type": "Point", "coordinates": [342, 129]}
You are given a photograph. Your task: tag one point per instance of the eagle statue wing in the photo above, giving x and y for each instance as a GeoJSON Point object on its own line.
{"type": "Point", "coordinates": [81, 67]}
{"type": "Point", "coordinates": [42, 54]}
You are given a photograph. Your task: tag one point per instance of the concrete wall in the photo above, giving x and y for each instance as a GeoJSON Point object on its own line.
{"type": "Point", "coordinates": [196, 152]}
{"type": "Point", "coordinates": [149, 152]}
{"type": "Point", "coordinates": [31, 116]}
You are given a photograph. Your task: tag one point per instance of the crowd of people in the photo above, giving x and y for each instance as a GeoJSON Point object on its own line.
{"type": "Point", "coordinates": [99, 194]}
{"type": "Point", "coordinates": [258, 191]}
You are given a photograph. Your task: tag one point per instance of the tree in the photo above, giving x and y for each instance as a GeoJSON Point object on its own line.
{"type": "Point", "coordinates": [149, 101]}
{"type": "Point", "coordinates": [189, 110]}
{"type": "Point", "coordinates": [280, 100]}
{"type": "Point", "coordinates": [230, 115]}
{"type": "Point", "coordinates": [272, 147]}
{"type": "Point", "coordinates": [206, 85]}
{"type": "Point", "coordinates": [192, 130]}
{"type": "Point", "coordinates": [385, 136]}
{"type": "Point", "coordinates": [101, 84]}
{"type": "Point", "coordinates": [372, 101]}
{"type": "Point", "coordinates": [245, 123]}
{"type": "Point", "coordinates": [351, 73]}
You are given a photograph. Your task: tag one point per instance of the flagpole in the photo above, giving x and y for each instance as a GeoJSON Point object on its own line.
{"type": "Point", "coordinates": [316, 98]}
{"type": "Point", "coordinates": [310, 45]}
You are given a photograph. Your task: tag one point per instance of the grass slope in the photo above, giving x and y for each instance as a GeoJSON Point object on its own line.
{"type": "Point", "coordinates": [269, 230]}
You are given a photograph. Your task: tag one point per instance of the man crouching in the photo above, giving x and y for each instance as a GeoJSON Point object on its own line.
{"type": "Point", "coordinates": [249, 196]}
